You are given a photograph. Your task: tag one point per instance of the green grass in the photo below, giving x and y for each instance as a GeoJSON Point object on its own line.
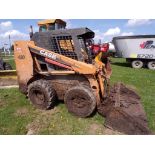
{"type": "Point", "coordinates": [11, 123]}
{"type": "Point", "coordinates": [18, 116]}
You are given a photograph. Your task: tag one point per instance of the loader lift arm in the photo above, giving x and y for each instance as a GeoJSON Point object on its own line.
{"type": "Point", "coordinates": [63, 61]}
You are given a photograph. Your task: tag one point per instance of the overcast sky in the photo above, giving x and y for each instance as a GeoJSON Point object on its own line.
{"type": "Point", "coordinates": [104, 29]}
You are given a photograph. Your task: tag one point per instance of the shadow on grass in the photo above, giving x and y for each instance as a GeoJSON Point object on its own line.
{"type": "Point", "coordinates": [122, 64]}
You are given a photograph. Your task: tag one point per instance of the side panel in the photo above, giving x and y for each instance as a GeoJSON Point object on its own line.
{"type": "Point", "coordinates": [143, 48]}
{"type": "Point", "coordinates": [24, 63]}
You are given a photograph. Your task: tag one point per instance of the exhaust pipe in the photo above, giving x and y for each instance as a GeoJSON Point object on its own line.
{"type": "Point", "coordinates": [31, 32]}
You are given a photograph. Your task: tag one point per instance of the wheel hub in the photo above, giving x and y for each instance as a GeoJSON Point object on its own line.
{"type": "Point", "coordinates": [79, 102]}
{"type": "Point", "coordinates": [39, 96]}
{"type": "Point", "coordinates": [137, 63]}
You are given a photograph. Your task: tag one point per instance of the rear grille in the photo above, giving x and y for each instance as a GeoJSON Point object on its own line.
{"type": "Point", "coordinates": [63, 45]}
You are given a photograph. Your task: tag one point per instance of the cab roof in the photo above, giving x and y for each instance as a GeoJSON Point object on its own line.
{"type": "Point", "coordinates": [51, 21]}
{"type": "Point", "coordinates": [85, 32]}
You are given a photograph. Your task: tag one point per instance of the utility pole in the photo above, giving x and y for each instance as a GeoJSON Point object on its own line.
{"type": "Point", "coordinates": [31, 31]}
{"type": "Point", "coordinates": [10, 43]}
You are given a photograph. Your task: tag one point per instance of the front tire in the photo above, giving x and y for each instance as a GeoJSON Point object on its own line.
{"type": "Point", "coordinates": [137, 64]}
{"type": "Point", "coordinates": [41, 94]}
{"type": "Point", "coordinates": [80, 101]}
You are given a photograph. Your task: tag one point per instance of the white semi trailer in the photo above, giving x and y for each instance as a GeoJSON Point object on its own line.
{"type": "Point", "coordinates": [138, 50]}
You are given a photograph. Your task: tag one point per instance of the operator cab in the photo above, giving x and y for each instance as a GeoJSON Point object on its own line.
{"type": "Point", "coordinates": [51, 24]}
{"type": "Point", "coordinates": [73, 43]}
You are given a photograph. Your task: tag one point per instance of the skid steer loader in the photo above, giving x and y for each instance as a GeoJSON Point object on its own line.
{"type": "Point", "coordinates": [58, 65]}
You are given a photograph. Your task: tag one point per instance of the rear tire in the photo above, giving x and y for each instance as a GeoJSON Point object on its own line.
{"type": "Point", "coordinates": [151, 65]}
{"type": "Point", "coordinates": [41, 94]}
{"type": "Point", "coordinates": [80, 101]}
{"type": "Point", "coordinates": [137, 64]}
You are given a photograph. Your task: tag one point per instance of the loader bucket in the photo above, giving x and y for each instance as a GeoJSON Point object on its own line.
{"type": "Point", "coordinates": [124, 112]}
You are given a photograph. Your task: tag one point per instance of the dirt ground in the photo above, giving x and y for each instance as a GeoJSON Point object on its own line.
{"type": "Point", "coordinates": [21, 111]}
{"type": "Point", "coordinates": [8, 81]}
{"type": "Point", "coordinates": [41, 121]}
{"type": "Point", "coordinates": [100, 129]}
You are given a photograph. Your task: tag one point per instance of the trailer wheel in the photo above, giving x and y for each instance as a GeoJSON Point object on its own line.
{"type": "Point", "coordinates": [137, 64]}
{"type": "Point", "coordinates": [151, 65]}
{"type": "Point", "coordinates": [80, 101]}
{"type": "Point", "coordinates": [41, 94]}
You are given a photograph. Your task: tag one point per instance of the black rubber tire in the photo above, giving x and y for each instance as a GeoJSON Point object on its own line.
{"type": "Point", "coordinates": [137, 64]}
{"type": "Point", "coordinates": [151, 65]}
{"type": "Point", "coordinates": [41, 94]}
{"type": "Point", "coordinates": [80, 101]}
{"type": "Point", "coordinates": [7, 66]}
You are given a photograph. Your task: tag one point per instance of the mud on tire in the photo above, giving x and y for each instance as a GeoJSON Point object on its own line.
{"type": "Point", "coordinates": [80, 101]}
{"type": "Point", "coordinates": [41, 94]}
